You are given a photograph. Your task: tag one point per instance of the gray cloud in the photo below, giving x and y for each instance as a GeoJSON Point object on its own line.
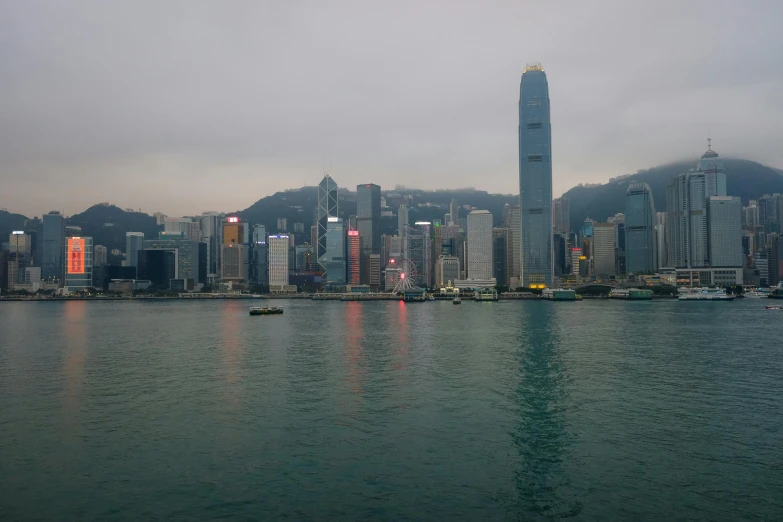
{"type": "Point", "coordinates": [186, 106]}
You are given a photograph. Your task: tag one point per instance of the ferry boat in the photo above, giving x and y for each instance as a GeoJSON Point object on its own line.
{"type": "Point", "coordinates": [756, 294]}
{"type": "Point", "coordinates": [706, 294]}
{"type": "Point", "coordinates": [773, 307]}
{"type": "Point", "coordinates": [559, 294]}
{"type": "Point", "coordinates": [457, 300]}
{"type": "Point", "coordinates": [631, 293]}
{"type": "Point", "coordinates": [485, 294]}
{"type": "Point", "coordinates": [265, 310]}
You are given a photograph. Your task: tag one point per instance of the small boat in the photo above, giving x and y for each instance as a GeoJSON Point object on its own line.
{"type": "Point", "coordinates": [457, 300]}
{"type": "Point", "coordinates": [265, 310]}
{"type": "Point", "coordinates": [773, 307]}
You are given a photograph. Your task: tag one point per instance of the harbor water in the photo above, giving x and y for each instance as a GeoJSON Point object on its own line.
{"type": "Point", "coordinates": [512, 410]}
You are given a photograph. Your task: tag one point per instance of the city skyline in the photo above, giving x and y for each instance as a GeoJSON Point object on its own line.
{"type": "Point", "coordinates": [210, 100]}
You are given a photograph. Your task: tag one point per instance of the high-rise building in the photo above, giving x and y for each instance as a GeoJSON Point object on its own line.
{"type": "Point", "coordinates": [769, 208]}
{"type": "Point", "coordinates": [53, 247]}
{"type": "Point", "coordinates": [535, 177]}
{"type": "Point", "coordinates": [374, 271]}
{"type": "Point", "coordinates": [100, 255]}
{"type": "Point", "coordinates": [724, 218]}
{"type": "Point", "coordinates": [158, 267]}
{"type": "Point", "coordinates": [604, 245]}
{"type": "Point", "coordinates": [233, 252]}
{"type": "Point", "coordinates": [333, 260]}
{"type": "Point", "coordinates": [211, 232]}
{"type": "Point", "coordinates": [20, 243]}
{"type": "Point", "coordinates": [134, 242]}
{"type": "Point", "coordinates": [354, 253]}
{"type": "Point", "coordinates": [516, 246]}
{"type": "Point", "coordinates": [368, 222]}
{"type": "Point", "coordinates": [686, 205]}
{"type": "Point", "coordinates": [453, 212]}
{"type": "Point", "coordinates": [160, 218]}
{"type": "Point", "coordinates": [500, 254]}
{"type": "Point", "coordinates": [278, 260]}
{"type": "Point", "coordinates": [419, 250]}
{"type": "Point", "coordinates": [561, 215]}
{"type": "Point", "coordinates": [639, 229]}
{"type": "Point", "coordinates": [186, 254]}
{"type": "Point", "coordinates": [446, 270]}
{"type": "Point", "coordinates": [402, 221]}
{"type": "Point", "coordinates": [328, 206]}
{"type": "Point", "coordinates": [661, 247]}
{"type": "Point", "coordinates": [78, 272]}
{"type": "Point", "coordinates": [183, 225]}
{"type": "Point", "coordinates": [480, 245]}
{"type": "Point", "coordinates": [259, 273]}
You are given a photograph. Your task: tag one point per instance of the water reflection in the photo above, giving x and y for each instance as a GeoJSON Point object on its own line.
{"type": "Point", "coordinates": [540, 435]}
{"type": "Point", "coordinates": [354, 336]}
{"type": "Point", "coordinates": [401, 338]}
{"type": "Point", "coordinates": [75, 352]}
{"type": "Point", "coordinates": [231, 347]}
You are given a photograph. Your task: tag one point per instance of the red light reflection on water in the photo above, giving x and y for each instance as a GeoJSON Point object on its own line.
{"type": "Point", "coordinates": [75, 351]}
{"type": "Point", "coordinates": [354, 335]}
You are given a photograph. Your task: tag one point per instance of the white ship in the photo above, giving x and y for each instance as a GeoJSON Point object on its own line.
{"type": "Point", "coordinates": [706, 294]}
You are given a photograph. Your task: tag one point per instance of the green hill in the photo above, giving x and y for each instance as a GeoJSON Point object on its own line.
{"type": "Point", "coordinates": [107, 225]}
{"type": "Point", "coordinates": [746, 179]}
{"type": "Point", "coordinates": [8, 223]}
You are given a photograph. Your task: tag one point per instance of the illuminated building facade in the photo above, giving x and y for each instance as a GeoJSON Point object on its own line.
{"type": "Point", "coordinates": [354, 258]}
{"type": "Point", "coordinates": [78, 263]}
{"type": "Point", "coordinates": [278, 260]}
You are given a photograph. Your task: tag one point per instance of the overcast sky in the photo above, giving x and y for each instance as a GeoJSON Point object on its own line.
{"type": "Point", "coordinates": [188, 106]}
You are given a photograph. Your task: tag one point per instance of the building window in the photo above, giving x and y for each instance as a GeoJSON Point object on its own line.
{"type": "Point", "coordinates": [534, 125]}
{"type": "Point", "coordinates": [534, 158]}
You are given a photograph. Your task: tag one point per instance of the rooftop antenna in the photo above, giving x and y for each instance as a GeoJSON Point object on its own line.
{"type": "Point", "coordinates": [709, 141]}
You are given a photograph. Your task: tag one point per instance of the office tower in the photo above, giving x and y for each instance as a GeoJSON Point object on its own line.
{"type": "Point", "coordinates": [480, 245]}
{"type": "Point", "coordinates": [374, 271]}
{"type": "Point", "coordinates": [186, 255]}
{"type": "Point", "coordinates": [661, 247]}
{"type": "Point", "coordinates": [53, 247]}
{"type": "Point", "coordinates": [211, 231]}
{"type": "Point", "coordinates": [559, 253]}
{"type": "Point", "coordinates": [134, 242]}
{"type": "Point", "coordinates": [453, 211]}
{"type": "Point", "coordinates": [576, 254]}
{"type": "Point", "coordinates": [333, 260]}
{"type": "Point", "coordinates": [368, 223]}
{"type": "Point", "coordinates": [100, 255]}
{"type": "Point", "coordinates": [724, 218]}
{"type": "Point", "coordinates": [354, 253]}
{"type": "Point", "coordinates": [750, 215]}
{"type": "Point", "coordinates": [535, 177]}
{"type": "Point", "coordinates": [500, 257]}
{"type": "Point", "coordinates": [446, 270]}
{"type": "Point", "coordinates": [278, 259]}
{"type": "Point", "coordinates": [158, 267]}
{"type": "Point", "coordinates": [604, 245]}
{"type": "Point", "coordinates": [160, 218]}
{"type": "Point", "coordinates": [516, 243]}
{"type": "Point", "coordinates": [639, 229]}
{"type": "Point", "coordinates": [561, 215]}
{"type": "Point", "coordinates": [183, 225]}
{"type": "Point", "coordinates": [233, 252]}
{"type": "Point", "coordinates": [20, 243]}
{"type": "Point", "coordinates": [78, 272]}
{"type": "Point", "coordinates": [402, 220]}
{"type": "Point", "coordinates": [770, 208]}
{"type": "Point", "coordinates": [419, 250]}
{"type": "Point", "coordinates": [327, 207]}
{"type": "Point", "coordinates": [686, 202]}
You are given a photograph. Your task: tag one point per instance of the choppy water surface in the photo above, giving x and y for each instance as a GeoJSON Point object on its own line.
{"type": "Point", "coordinates": [385, 411]}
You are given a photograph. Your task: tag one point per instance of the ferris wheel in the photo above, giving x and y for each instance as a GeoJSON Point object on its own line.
{"type": "Point", "coordinates": [407, 275]}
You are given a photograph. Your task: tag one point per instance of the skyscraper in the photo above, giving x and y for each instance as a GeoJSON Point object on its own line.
{"type": "Point", "coordinates": [78, 272]}
{"type": "Point", "coordinates": [402, 220]}
{"type": "Point", "coordinates": [134, 242]}
{"type": "Point", "coordinates": [604, 245]}
{"type": "Point", "coordinates": [334, 259]}
{"type": "Point", "coordinates": [354, 253]}
{"type": "Point", "coordinates": [535, 177]}
{"type": "Point", "coordinates": [724, 216]}
{"type": "Point", "coordinates": [368, 222]}
{"type": "Point", "coordinates": [561, 214]}
{"type": "Point", "coordinates": [686, 205]}
{"type": "Point", "coordinates": [515, 246]}
{"type": "Point", "coordinates": [278, 260]}
{"type": "Point", "coordinates": [99, 255]}
{"type": "Point", "coordinates": [639, 229]}
{"type": "Point", "coordinates": [210, 234]}
{"type": "Point", "coordinates": [480, 245]}
{"type": "Point", "coordinates": [327, 207]}
{"type": "Point", "coordinates": [500, 257]}
{"type": "Point", "coordinates": [53, 247]}
{"type": "Point", "coordinates": [419, 251]}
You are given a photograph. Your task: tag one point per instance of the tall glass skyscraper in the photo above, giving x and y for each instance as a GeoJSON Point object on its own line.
{"type": "Point", "coordinates": [368, 222]}
{"type": "Point", "coordinates": [535, 178]}
{"type": "Point", "coordinates": [639, 232]}
{"type": "Point", "coordinates": [327, 207]}
{"type": "Point", "coordinates": [52, 247]}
